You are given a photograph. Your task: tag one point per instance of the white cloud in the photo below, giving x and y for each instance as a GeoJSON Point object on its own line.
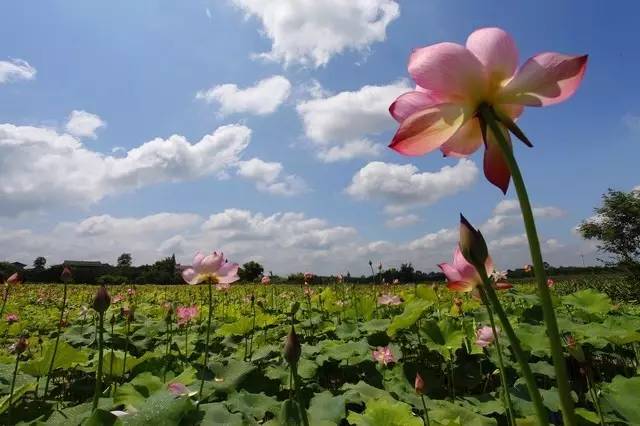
{"type": "Point", "coordinates": [283, 242]}
{"type": "Point", "coordinates": [269, 178]}
{"type": "Point", "coordinates": [512, 207]}
{"type": "Point", "coordinates": [84, 124]}
{"type": "Point", "coordinates": [404, 185]}
{"type": "Point", "coordinates": [632, 121]}
{"type": "Point", "coordinates": [310, 32]}
{"type": "Point", "coordinates": [40, 168]}
{"type": "Point", "coordinates": [349, 150]}
{"type": "Point", "coordinates": [262, 98]}
{"type": "Point", "coordinates": [16, 69]}
{"type": "Point", "coordinates": [402, 221]}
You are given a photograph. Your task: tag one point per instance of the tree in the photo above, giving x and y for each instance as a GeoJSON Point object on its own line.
{"type": "Point", "coordinates": [124, 259]}
{"type": "Point", "coordinates": [616, 225]}
{"type": "Point", "coordinates": [250, 271]}
{"type": "Point", "coordinates": [39, 263]}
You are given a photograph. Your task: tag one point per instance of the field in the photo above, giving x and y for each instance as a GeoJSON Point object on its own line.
{"type": "Point", "coordinates": [361, 350]}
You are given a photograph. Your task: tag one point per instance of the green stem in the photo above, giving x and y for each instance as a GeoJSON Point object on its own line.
{"type": "Point", "coordinates": [534, 393]}
{"type": "Point", "coordinates": [4, 299]}
{"type": "Point", "coordinates": [206, 344]}
{"type": "Point", "coordinates": [13, 384]}
{"type": "Point", "coordinates": [126, 348]}
{"type": "Point", "coordinates": [562, 378]}
{"type": "Point", "coordinates": [507, 398]}
{"type": "Point", "coordinates": [98, 389]}
{"type": "Point", "coordinates": [426, 412]}
{"type": "Point", "coordinates": [55, 347]}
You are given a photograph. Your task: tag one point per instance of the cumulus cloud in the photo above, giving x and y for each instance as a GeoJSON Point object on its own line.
{"type": "Point", "coordinates": [269, 177]}
{"type": "Point", "coordinates": [632, 121]}
{"type": "Point", "coordinates": [402, 221]}
{"type": "Point", "coordinates": [338, 124]}
{"type": "Point", "coordinates": [84, 124]}
{"type": "Point", "coordinates": [512, 207]}
{"type": "Point", "coordinates": [16, 69]}
{"type": "Point", "coordinates": [405, 185]}
{"type": "Point", "coordinates": [41, 168]}
{"type": "Point", "coordinates": [262, 98]}
{"type": "Point", "coordinates": [284, 242]}
{"type": "Point", "coordinates": [310, 32]}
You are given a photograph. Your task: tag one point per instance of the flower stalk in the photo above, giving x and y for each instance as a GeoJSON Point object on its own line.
{"type": "Point", "coordinates": [562, 378]}
{"type": "Point", "coordinates": [65, 274]}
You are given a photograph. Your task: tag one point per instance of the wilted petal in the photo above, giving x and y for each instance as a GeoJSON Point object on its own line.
{"type": "Point", "coordinates": [228, 273]}
{"type": "Point", "coordinates": [495, 167]}
{"type": "Point", "coordinates": [496, 50]}
{"type": "Point", "coordinates": [450, 70]}
{"type": "Point", "coordinates": [545, 79]}
{"type": "Point", "coordinates": [190, 276]}
{"type": "Point", "coordinates": [465, 141]}
{"type": "Point", "coordinates": [428, 129]}
{"type": "Point", "coordinates": [410, 103]}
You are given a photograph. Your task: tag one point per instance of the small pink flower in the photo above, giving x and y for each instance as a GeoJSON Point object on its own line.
{"type": "Point", "coordinates": [131, 292]}
{"type": "Point", "coordinates": [388, 299]}
{"type": "Point", "coordinates": [339, 278]}
{"type": "Point", "coordinates": [484, 336]}
{"type": "Point", "coordinates": [550, 283]}
{"type": "Point", "coordinates": [383, 355]}
{"type": "Point", "coordinates": [213, 267]}
{"type": "Point", "coordinates": [178, 389]}
{"type": "Point", "coordinates": [11, 318]}
{"type": "Point", "coordinates": [527, 268]}
{"type": "Point", "coordinates": [266, 280]}
{"type": "Point", "coordinates": [186, 313]}
{"type": "Point", "coordinates": [454, 81]}
{"type": "Point", "coordinates": [117, 298]}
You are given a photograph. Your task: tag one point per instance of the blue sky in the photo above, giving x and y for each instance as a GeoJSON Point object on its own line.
{"type": "Point", "coordinates": [96, 187]}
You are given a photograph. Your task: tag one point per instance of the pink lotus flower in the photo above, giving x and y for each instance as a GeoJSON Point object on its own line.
{"type": "Point", "coordinates": [383, 355]}
{"type": "Point", "coordinates": [461, 274]}
{"type": "Point", "coordinates": [266, 280]}
{"type": "Point", "coordinates": [527, 268]}
{"type": "Point", "coordinates": [186, 313]}
{"type": "Point", "coordinates": [178, 389]}
{"type": "Point", "coordinates": [339, 278]}
{"type": "Point", "coordinates": [308, 276]}
{"type": "Point", "coordinates": [550, 283]}
{"type": "Point", "coordinates": [11, 318]}
{"type": "Point", "coordinates": [388, 299]}
{"type": "Point", "coordinates": [484, 336]}
{"type": "Point", "coordinates": [213, 267]}
{"type": "Point", "coordinates": [453, 81]}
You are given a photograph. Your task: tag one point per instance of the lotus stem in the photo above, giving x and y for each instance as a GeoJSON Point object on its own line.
{"type": "Point", "coordinates": [98, 389]}
{"type": "Point", "coordinates": [13, 385]}
{"type": "Point", "coordinates": [562, 378]}
{"type": "Point", "coordinates": [206, 344]}
{"type": "Point", "coordinates": [55, 346]}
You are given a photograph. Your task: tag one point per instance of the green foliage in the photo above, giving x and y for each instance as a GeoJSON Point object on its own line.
{"type": "Point", "coordinates": [250, 271]}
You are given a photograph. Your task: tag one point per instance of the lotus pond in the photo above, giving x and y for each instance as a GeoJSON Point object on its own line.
{"type": "Point", "coordinates": [361, 350]}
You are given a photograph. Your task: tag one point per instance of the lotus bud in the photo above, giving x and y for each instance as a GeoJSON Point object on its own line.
{"type": "Point", "coordinates": [21, 345]}
{"type": "Point", "coordinates": [102, 300]}
{"type": "Point", "coordinates": [472, 244]}
{"type": "Point", "coordinates": [419, 384]}
{"type": "Point", "coordinates": [292, 347]}
{"type": "Point", "coordinates": [66, 276]}
{"type": "Point", "coordinates": [14, 279]}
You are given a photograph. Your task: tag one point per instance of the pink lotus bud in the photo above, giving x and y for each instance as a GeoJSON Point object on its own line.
{"type": "Point", "coordinates": [550, 283]}
{"type": "Point", "coordinates": [292, 347]}
{"type": "Point", "coordinates": [472, 244]}
{"type": "Point", "coordinates": [14, 279]}
{"type": "Point", "coordinates": [21, 345]}
{"type": "Point", "coordinates": [419, 384]}
{"type": "Point", "coordinates": [102, 300]}
{"type": "Point", "coordinates": [66, 275]}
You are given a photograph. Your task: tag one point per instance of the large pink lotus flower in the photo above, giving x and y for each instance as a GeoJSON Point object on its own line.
{"type": "Point", "coordinates": [461, 275]}
{"type": "Point", "coordinates": [389, 299]}
{"type": "Point", "coordinates": [484, 336]}
{"type": "Point", "coordinates": [383, 355]}
{"type": "Point", "coordinates": [266, 280]}
{"type": "Point", "coordinates": [453, 81]}
{"type": "Point", "coordinates": [213, 267]}
{"type": "Point", "coordinates": [186, 313]}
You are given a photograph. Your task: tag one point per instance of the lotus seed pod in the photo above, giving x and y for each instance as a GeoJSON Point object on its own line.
{"type": "Point", "coordinates": [102, 300]}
